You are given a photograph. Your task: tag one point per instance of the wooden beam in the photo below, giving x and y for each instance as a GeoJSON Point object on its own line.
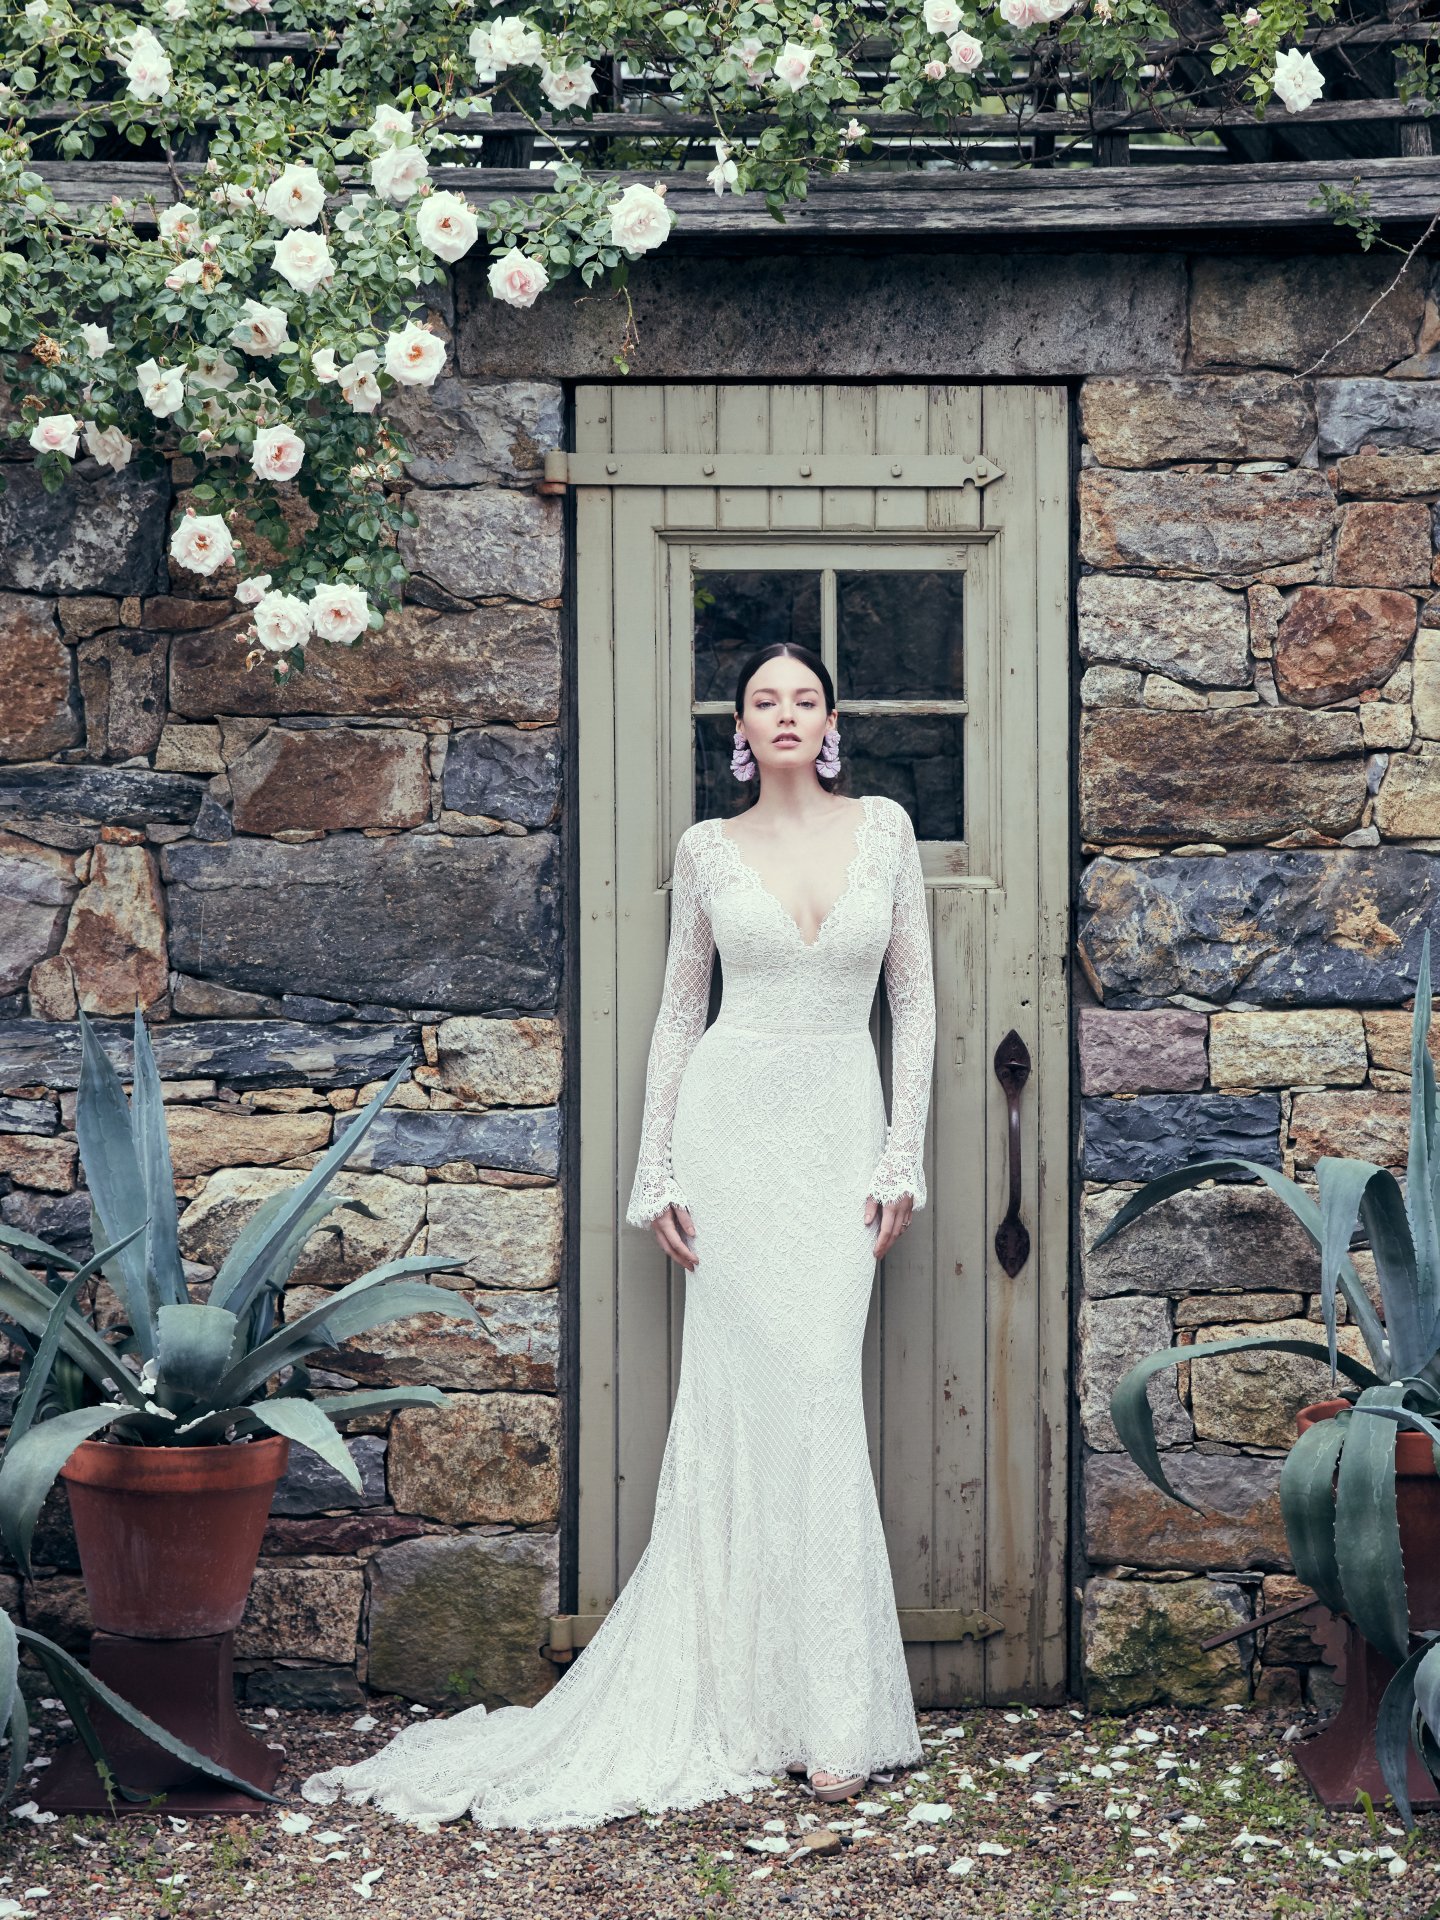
{"type": "Point", "coordinates": [1272, 196]}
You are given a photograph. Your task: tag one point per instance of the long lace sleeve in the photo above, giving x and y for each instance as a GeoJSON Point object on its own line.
{"type": "Point", "coordinates": [910, 987]}
{"type": "Point", "coordinates": [684, 1002]}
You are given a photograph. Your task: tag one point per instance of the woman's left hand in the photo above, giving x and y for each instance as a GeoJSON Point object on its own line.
{"type": "Point", "coordinates": [894, 1216]}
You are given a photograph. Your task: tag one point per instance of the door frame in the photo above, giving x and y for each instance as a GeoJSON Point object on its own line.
{"type": "Point", "coordinates": [603, 1009]}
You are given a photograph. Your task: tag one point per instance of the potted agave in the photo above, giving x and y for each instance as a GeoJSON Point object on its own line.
{"type": "Point", "coordinates": [1360, 1487]}
{"type": "Point", "coordinates": [172, 1429]}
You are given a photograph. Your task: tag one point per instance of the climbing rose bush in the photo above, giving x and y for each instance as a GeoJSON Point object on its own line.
{"type": "Point", "coordinates": [254, 326]}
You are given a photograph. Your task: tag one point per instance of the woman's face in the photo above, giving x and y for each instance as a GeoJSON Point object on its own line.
{"type": "Point", "coordinates": [785, 716]}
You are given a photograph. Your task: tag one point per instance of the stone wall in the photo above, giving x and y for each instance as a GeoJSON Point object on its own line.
{"type": "Point", "coordinates": [1259, 646]}
{"type": "Point", "coordinates": [307, 885]}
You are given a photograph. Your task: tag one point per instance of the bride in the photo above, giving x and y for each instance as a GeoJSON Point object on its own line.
{"type": "Point", "coordinates": [758, 1629]}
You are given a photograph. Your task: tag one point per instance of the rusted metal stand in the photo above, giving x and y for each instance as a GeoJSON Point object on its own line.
{"type": "Point", "coordinates": [187, 1687]}
{"type": "Point", "coordinates": [1340, 1761]}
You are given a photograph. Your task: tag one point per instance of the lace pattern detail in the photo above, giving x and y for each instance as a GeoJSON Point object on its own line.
{"type": "Point", "coordinates": [787, 984]}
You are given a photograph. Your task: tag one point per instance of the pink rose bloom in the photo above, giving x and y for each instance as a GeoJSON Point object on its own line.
{"type": "Point", "coordinates": [56, 433]}
{"type": "Point", "coordinates": [517, 279]}
{"type": "Point", "coordinates": [277, 453]}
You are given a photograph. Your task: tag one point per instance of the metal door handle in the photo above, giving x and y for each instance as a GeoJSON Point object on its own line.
{"type": "Point", "coordinates": [1012, 1070]}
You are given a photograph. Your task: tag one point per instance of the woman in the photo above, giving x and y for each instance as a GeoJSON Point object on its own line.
{"type": "Point", "coordinates": [758, 1629]}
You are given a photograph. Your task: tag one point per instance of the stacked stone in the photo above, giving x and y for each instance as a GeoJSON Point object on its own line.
{"type": "Point", "coordinates": [306, 885]}
{"type": "Point", "coordinates": [1260, 816]}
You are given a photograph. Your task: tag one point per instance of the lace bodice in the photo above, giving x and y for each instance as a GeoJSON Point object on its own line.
{"type": "Point", "coordinates": [777, 982]}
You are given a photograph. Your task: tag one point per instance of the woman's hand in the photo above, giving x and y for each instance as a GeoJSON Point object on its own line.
{"type": "Point", "coordinates": [894, 1216]}
{"type": "Point", "coordinates": [667, 1227]}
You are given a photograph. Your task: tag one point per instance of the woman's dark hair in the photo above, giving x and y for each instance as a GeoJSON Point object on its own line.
{"type": "Point", "coordinates": [791, 650]}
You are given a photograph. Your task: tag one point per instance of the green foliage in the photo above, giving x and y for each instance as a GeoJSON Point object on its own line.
{"type": "Point", "coordinates": [185, 76]}
{"type": "Point", "coordinates": [182, 1372]}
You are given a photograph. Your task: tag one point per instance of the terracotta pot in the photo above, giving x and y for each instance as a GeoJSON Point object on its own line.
{"type": "Point", "coordinates": [169, 1536]}
{"type": "Point", "coordinates": [1417, 1499]}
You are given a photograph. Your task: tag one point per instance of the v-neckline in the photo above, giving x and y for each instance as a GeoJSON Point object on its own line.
{"type": "Point", "coordinates": [747, 866]}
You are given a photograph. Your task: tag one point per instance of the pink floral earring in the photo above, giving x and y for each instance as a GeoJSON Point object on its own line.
{"type": "Point", "coordinates": [742, 761]}
{"type": "Point", "coordinates": [828, 764]}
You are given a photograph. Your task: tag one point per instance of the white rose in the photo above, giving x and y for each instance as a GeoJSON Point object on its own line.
{"type": "Point", "coordinates": [97, 341]}
{"type": "Point", "coordinates": [161, 388]}
{"type": "Point", "coordinates": [358, 386]}
{"type": "Point", "coordinates": [322, 365]}
{"type": "Point", "coordinates": [1297, 81]}
{"type": "Point", "coordinates": [446, 225]}
{"type": "Point", "coordinates": [108, 445]}
{"type": "Point", "coordinates": [397, 173]}
{"type": "Point", "coordinates": [724, 173]}
{"type": "Point", "coordinates": [213, 370]}
{"type": "Point", "coordinates": [517, 279]}
{"type": "Point", "coordinates": [146, 67]}
{"type": "Point", "coordinates": [639, 219]}
{"type": "Point", "coordinates": [414, 356]}
{"type": "Point", "coordinates": [942, 16]}
{"type": "Point", "coordinates": [934, 69]}
{"type": "Point", "coordinates": [1051, 10]}
{"type": "Point", "coordinates": [1020, 14]}
{"type": "Point", "coordinates": [250, 591]}
{"type": "Point", "coordinates": [296, 197]}
{"type": "Point", "coordinates": [568, 86]}
{"type": "Point", "coordinates": [793, 64]}
{"type": "Point", "coordinates": [261, 331]}
{"type": "Point", "coordinates": [184, 274]}
{"type": "Point", "coordinates": [340, 612]}
{"type": "Point", "coordinates": [179, 222]}
{"type": "Point", "coordinates": [392, 128]}
{"type": "Point", "coordinates": [176, 9]}
{"type": "Point", "coordinates": [201, 543]}
{"type": "Point", "coordinates": [482, 52]}
{"type": "Point", "coordinates": [281, 621]}
{"type": "Point", "coordinates": [515, 43]}
{"type": "Point", "coordinates": [750, 53]}
{"type": "Point", "coordinates": [56, 433]}
{"type": "Point", "coordinates": [277, 453]}
{"type": "Point", "coordinates": [303, 258]}
{"type": "Point", "coordinates": [966, 52]}
{"type": "Point", "coordinates": [36, 12]}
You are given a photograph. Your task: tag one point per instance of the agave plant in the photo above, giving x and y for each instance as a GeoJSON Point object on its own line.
{"type": "Point", "coordinates": [1337, 1486]}
{"type": "Point", "coordinates": [76, 1686]}
{"type": "Point", "coordinates": [182, 1372]}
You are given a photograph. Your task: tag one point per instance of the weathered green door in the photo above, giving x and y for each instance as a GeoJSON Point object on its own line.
{"type": "Point", "coordinates": [917, 536]}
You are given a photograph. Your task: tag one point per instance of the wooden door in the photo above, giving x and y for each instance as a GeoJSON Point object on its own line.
{"type": "Point", "coordinates": [917, 537]}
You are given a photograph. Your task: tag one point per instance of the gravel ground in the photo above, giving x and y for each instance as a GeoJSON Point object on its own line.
{"type": "Point", "coordinates": [1018, 1813]}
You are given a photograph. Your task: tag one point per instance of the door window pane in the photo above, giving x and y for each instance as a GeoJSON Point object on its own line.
{"type": "Point", "coordinates": [737, 612]}
{"type": "Point", "coordinates": [900, 636]}
{"type": "Point", "coordinates": [916, 759]}
{"type": "Point", "coordinates": [716, 788]}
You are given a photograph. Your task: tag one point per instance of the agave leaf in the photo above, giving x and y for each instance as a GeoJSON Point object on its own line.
{"type": "Point", "coordinates": [27, 1243]}
{"type": "Point", "coordinates": [29, 1305]}
{"type": "Point", "coordinates": [1300, 1203]}
{"type": "Point", "coordinates": [1382, 1210]}
{"type": "Point", "coordinates": [9, 1667]}
{"type": "Point", "coordinates": [152, 1147]}
{"type": "Point", "coordinates": [19, 1731]}
{"type": "Point", "coordinates": [1392, 1731]}
{"type": "Point", "coordinates": [370, 1301]}
{"type": "Point", "coordinates": [378, 1400]}
{"type": "Point", "coordinates": [112, 1173]}
{"type": "Point", "coordinates": [29, 1467]}
{"type": "Point", "coordinates": [1367, 1529]}
{"type": "Point", "coordinates": [1427, 1687]}
{"type": "Point", "coordinates": [247, 1265]}
{"type": "Point", "coordinates": [57, 1661]}
{"type": "Point", "coordinates": [1130, 1405]}
{"type": "Point", "coordinates": [303, 1422]}
{"type": "Point", "coordinates": [1307, 1506]}
{"type": "Point", "coordinates": [1420, 1168]}
{"type": "Point", "coordinates": [49, 1347]}
{"type": "Point", "coordinates": [195, 1347]}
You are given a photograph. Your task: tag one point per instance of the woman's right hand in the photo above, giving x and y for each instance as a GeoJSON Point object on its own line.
{"type": "Point", "coordinates": [669, 1227]}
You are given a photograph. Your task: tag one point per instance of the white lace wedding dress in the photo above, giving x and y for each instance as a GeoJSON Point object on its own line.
{"type": "Point", "coordinates": [759, 1624]}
